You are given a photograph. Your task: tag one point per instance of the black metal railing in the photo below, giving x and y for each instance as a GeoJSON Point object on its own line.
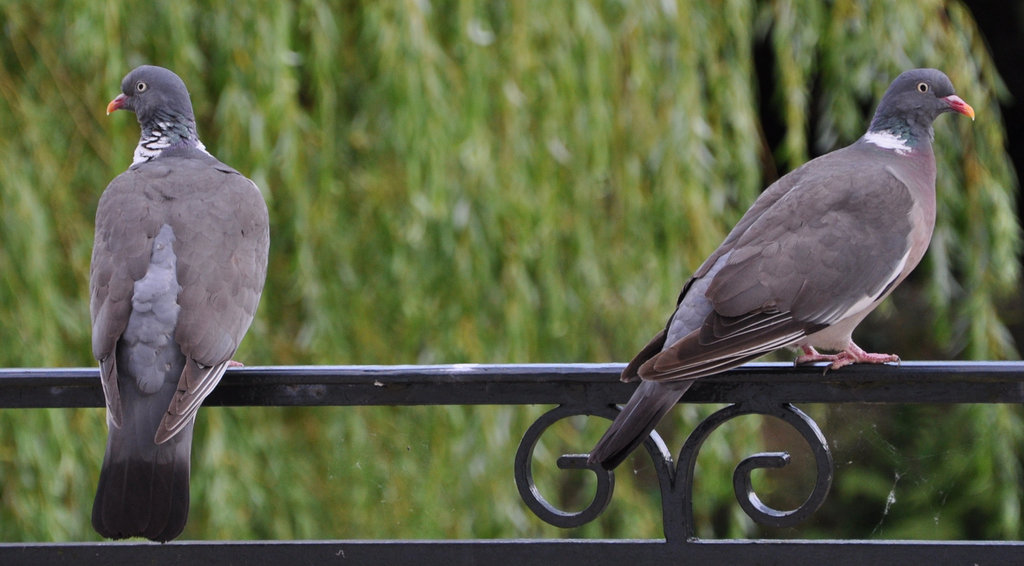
{"type": "Point", "coordinates": [575, 389]}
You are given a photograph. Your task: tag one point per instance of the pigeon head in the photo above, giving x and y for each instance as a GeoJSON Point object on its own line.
{"type": "Point", "coordinates": [913, 101]}
{"type": "Point", "coordinates": [162, 105]}
{"type": "Point", "coordinates": [153, 93]}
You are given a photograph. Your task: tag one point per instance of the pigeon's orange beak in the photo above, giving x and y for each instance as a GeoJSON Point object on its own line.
{"type": "Point", "coordinates": [118, 102]}
{"type": "Point", "coordinates": [954, 102]}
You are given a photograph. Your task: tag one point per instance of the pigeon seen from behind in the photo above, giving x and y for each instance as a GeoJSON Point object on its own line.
{"type": "Point", "coordinates": [178, 266]}
{"type": "Point", "coordinates": [816, 252]}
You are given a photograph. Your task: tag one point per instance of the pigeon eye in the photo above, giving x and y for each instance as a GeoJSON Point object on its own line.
{"type": "Point", "coordinates": [922, 87]}
{"type": "Point", "coordinates": [141, 86]}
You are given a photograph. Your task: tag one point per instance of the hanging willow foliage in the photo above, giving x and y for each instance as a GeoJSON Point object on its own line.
{"type": "Point", "coordinates": [459, 181]}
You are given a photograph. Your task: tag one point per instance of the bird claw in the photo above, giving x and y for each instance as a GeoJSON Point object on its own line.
{"type": "Point", "coordinates": [234, 364]}
{"type": "Point", "coordinates": [853, 354]}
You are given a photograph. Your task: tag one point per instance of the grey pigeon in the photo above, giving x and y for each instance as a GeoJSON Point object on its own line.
{"type": "Point", "coordinates": [814, 254]}
{"type": "Point", "coordinates": [178, 266]}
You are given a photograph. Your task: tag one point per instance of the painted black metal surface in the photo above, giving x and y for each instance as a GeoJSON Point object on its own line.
{"type": "Point", "coordinates": [574, 389]}
{"type": "Point", "coordinates": [517, 552]}
{"type": "Point", "coordinates": [556, 384]}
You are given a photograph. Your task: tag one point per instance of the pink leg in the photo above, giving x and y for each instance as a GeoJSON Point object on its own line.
{"type": "Point", "coordinates": [234, 364]}
{"type": "Point", "coordinates": [853, 354]}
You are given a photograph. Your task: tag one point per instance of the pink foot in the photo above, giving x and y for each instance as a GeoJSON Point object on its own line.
{"type": "Point", "coordinates": [234, 364]}
{"type": "Point", "coordinates": [853, 354]}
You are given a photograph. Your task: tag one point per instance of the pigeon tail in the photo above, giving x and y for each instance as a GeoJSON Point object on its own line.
{"type": "Point", "coordinates": [645, 409]}
{"type": "Point", "coordinates": [144, 487]}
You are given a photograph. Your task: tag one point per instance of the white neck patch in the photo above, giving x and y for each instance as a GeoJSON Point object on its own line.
{"type": "Point", "coordinates": [888, 140]}
{"type": "Point", "coordinates": [150, 148]}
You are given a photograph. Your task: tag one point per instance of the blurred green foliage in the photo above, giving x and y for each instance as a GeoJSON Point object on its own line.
{"type": "Point", "coordinates": [472, 181]}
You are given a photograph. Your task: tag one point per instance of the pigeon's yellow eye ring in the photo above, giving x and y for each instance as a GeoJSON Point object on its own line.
{"type": "Point", "coordinates": [141, 86]}
{"type": "Point", "coordinates": [922, 87]}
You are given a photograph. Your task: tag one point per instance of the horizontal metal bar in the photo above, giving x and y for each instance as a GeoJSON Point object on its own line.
{"type": "Point", "coordinates": [501, 384]}
{"type": "Point", "coordinates": [534, 552]}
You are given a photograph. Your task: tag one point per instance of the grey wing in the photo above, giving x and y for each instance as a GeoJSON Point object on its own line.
{"type": "Point", "coordinates": [121, 252]}
{"type": "Point", "coordinates": [223, 243]}
{"type": "Point", "coordinates": [765, 201]}
{"type": "Point", "coordinates": [828, 247]}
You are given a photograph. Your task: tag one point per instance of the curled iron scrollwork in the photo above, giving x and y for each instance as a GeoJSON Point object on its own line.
{"type": "Point", "coordinates": [676, 481]}
{"type": "Point", "coordinates": [745, 495]}
{"type": "Point", "coordinates": [605, 478]}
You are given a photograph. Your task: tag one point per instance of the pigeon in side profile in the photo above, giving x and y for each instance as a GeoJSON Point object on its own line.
{"type": "Point", "coordinates": [178, 265]}
{"type": "Point", "coordinates": [814, 254]}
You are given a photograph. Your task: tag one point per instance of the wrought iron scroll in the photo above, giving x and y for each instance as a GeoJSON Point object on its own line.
{"type": "Point", "coordinates": [676, 482]}
{"type": "Point", "coordinates": [605, 478]}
